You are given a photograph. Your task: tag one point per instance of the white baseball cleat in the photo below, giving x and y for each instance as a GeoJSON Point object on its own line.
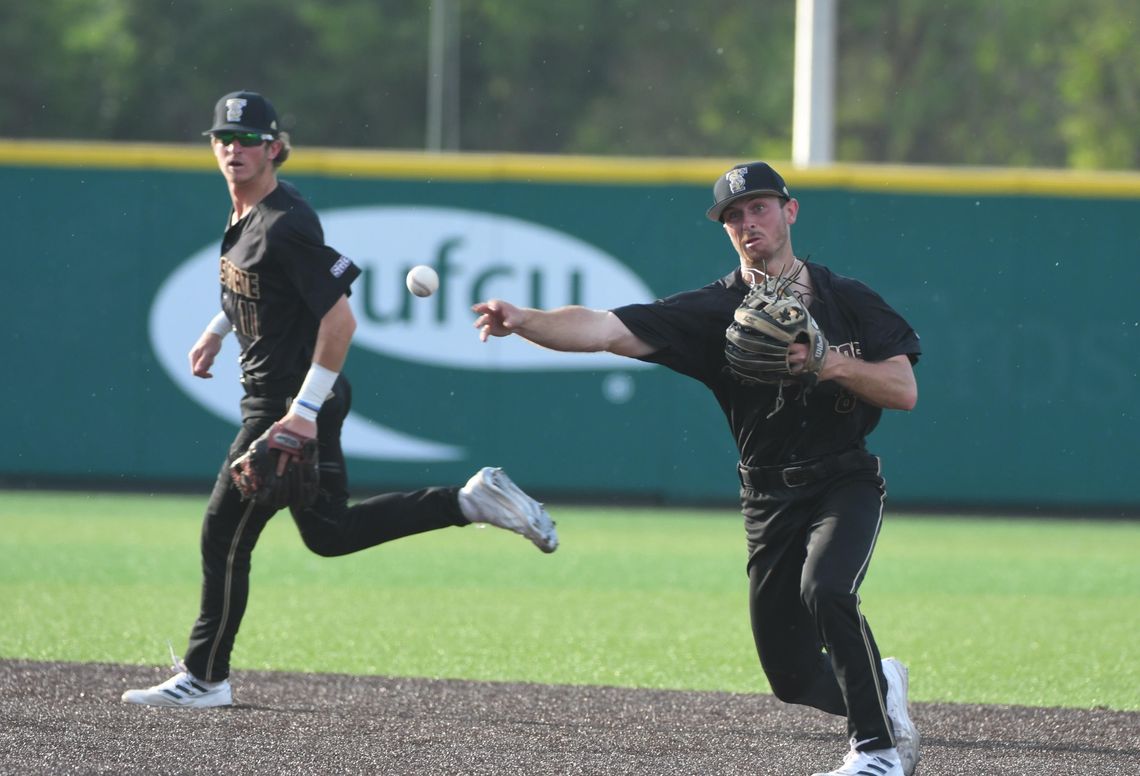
{"type": "Point", "coordinates": [880, 762]}
{"type": "Point", "coordinates": [184, 691]}
{"type": "Point", "coordinates": [905, 731]}
{"type": "Point", "coordinates": [490, 497]}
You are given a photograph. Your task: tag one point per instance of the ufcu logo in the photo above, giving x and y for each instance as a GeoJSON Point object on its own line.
{"type": "Point", "coordinates": [462, 286]}
{"type": "Point", "coordinates": [478, 256]}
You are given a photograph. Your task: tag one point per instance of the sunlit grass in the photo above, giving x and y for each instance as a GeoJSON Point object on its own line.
{"type": "Point", "coordinates": [1033, 612]}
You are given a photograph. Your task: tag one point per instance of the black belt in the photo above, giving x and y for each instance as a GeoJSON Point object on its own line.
{"type": "Point", "coordinates": [764, 478]}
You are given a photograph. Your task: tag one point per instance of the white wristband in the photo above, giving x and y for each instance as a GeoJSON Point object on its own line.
{"type": "Point", "coordinates": [220, 325]}
{"type": "Point", "coordinates": [316, 388]}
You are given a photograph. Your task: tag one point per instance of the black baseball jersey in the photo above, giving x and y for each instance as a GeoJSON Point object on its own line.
{"type": "Point", "coordinates": [278, 281]}
{"type": "Point", "coordinates": [688, 331]}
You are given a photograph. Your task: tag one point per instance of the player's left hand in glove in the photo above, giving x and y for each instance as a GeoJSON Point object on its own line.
{"type": "Point", "coordinates": [279, 469]}
{"type": "Point", "coordinates": [768, 322]}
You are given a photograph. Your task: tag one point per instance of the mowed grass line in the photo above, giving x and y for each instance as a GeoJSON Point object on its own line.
{"type": "Point", "coordinates": [1034, 612]}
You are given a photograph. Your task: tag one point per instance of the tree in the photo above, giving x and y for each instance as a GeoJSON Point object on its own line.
{"type": "Point", "coordinates": [1022, 82]}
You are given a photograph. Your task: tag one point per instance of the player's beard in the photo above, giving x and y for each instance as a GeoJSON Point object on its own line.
{"type": "Point", "coordinates": [771, 245]}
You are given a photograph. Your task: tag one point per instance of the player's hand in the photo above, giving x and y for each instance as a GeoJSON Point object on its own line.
{"type": "Point", "coordinates": [798, 356]}
{"type": "Point", "coordinates": [203, 353]}
{"type": "Point", "coordinates": [295, 424]}
{"type": "Point", "coordinates": [497, 318]}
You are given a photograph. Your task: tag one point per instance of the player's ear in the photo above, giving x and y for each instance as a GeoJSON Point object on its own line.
{"type": "Point", "coordinates": [791, 209]}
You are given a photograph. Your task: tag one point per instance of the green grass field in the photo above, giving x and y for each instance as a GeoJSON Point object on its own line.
{"type": "Point", "coordinates": [1034, 612]}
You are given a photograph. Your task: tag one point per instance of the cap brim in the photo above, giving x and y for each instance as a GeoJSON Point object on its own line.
{"type": "Point", "coordinates": [237, 128]}
{"type": "Point", "coordinates": [714, 212]}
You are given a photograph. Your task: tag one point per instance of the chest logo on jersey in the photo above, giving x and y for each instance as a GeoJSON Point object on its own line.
{"type": "Point", "coordinates": [246, 288]}
{"type": "Point", "coordinates": [239, 281]}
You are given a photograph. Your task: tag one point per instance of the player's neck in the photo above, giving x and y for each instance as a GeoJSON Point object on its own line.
{"type": "Point", "coordinates": [247, 194]}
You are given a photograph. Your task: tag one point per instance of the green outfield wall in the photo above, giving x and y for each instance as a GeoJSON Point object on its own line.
{"type": "Point", "coordinates": [1022, 284]}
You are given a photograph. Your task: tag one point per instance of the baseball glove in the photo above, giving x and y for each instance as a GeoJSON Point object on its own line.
{"type": "Point", "coordinates": [279, 469]}
{"type": "Point", "coordinates": [765, 325]}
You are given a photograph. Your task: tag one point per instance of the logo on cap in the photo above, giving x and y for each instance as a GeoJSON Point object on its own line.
{"type": "Point", "coordinates": [234, 108]}
{"type": "Point", "coordinates": [735, 180]}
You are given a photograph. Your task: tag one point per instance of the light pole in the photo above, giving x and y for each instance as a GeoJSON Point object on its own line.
{"type": "Point", "coordinates": [443, 77]}
{"type": "Point", "coordinates": [813, 108]}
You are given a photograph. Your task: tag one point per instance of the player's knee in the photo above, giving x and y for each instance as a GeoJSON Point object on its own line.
{"type": "Point", "coordinates": [324, 549]}
{"type": "Point", "coordinates": [321, 530]}
{"type": "Point", "coordinates": [323, 544]}
{"type": "Point", "coordinates": [790, 687]}
{"type": "Point", "coordinates": [819, 597]}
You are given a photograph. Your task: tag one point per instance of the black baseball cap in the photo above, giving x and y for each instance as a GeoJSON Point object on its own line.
{"type": "Point", "coordinates": [746, 180]}
{"type": "Point", "coordinates": [244, 112]}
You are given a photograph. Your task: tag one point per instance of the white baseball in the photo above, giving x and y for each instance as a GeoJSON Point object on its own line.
{"type": "Point", "coordinates": [422, 280]}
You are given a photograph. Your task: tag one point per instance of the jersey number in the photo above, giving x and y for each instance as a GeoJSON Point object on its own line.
{"type": "Point", "coordinates": [247, 322]}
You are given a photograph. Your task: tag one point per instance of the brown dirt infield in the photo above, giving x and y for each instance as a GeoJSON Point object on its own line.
{"type": "Point", "coordinates": [65, 718]}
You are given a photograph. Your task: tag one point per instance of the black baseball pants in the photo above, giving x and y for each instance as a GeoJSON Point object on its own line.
{"type": "Point", "coordinates": [809, 549]}
{"type": "Point", "coordinates": [329, 528]}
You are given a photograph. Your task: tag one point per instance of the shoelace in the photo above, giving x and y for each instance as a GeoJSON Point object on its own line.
{"type": "Point", "coordinates": [876, 767]}
{"type": "Point", "coordinates": [175, 661]}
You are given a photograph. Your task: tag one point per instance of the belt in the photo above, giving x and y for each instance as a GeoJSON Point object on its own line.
{"type": "Point", "coordinates": [764, 478]}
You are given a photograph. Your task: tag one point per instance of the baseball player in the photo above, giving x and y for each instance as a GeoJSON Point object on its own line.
{"type": "Point", "coordinates": [284, 294]}
{"type": "Point", "coordinates": [811, 495]}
